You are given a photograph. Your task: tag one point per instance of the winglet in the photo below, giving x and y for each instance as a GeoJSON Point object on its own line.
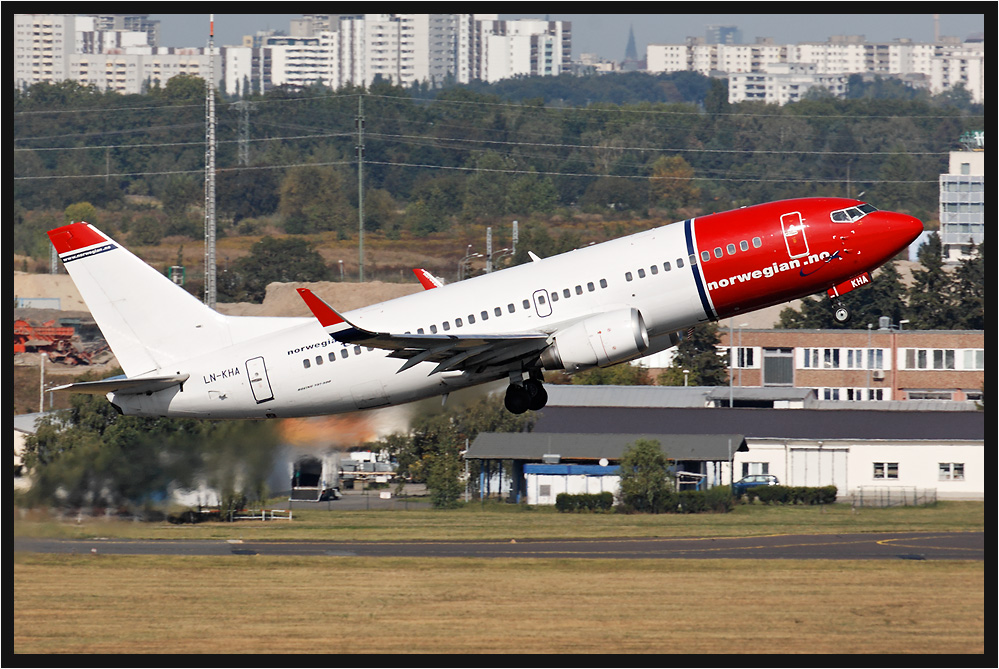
{"type": "Point", "coordinates": [324, 313]}
{"type": "Point", "coordinates": [427, 280]}
{"type": "Point", "coordinates": [335, 325]}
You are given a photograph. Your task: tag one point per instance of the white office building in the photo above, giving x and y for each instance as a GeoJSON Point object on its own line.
{"type": "Point", "coordinates": [962, 202]}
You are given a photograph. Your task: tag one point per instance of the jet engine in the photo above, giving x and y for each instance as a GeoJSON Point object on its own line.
{"type": "Point", "coordinates": [598, 341]}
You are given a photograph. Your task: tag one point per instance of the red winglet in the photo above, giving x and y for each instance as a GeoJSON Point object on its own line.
{"type": "Point", "coordinates": [74, 236]}
{"type": "Point", "coordinates": [322, 311]}
{"type": "Point", "coordinates": [427, 280]}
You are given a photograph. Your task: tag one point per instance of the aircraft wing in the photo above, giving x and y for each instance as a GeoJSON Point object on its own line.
{"type": "Point", "coordinates": [121, 384]}
{"type": "Point", "coordinates": [450, 352]}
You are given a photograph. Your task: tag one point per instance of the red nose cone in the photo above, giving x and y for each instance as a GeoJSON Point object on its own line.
{"type": "Point", "coordinates": [908, 227]}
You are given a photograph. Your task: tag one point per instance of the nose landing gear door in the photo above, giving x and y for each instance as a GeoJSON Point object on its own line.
{"type": "Point", "coordinates": [256, 371]}
{"type": "Point", "coordinates": [794, 235]}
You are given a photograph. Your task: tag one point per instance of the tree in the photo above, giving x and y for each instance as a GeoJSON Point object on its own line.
{"type": "Point", "coordinates": [91, 455]}
{"type": "Point", "coordinates": [931, 305]}
{"type": "Point", "coordinates": [672, 183]}
{"type": "Point", "coordinates": [698, 353]}
{"type": "Point", "coordinates": [247, 193]}
{"type": "Point", "coordinates": [969, 291]}
{"type": "Point", "coordinates": [431, 451]}
{"type": "Point", "coordinates": [81, 211]}
{"type": "Point", "coordinates": [615, 193]}
{"type": "Point", "coordinates": [313, 199]}
{"type": "Point", "coordinates": [623, 374]}
{"type": "Point", "coordinates": [486, 191]}
{"type": "Point", "coordinates": [645, 484]}
{"type": "Point", "coordinates": [271, 259]}
{"type": "Point", "coordinates": [532, 194]}
{"type": "Point", "coordinates": [444, 479]}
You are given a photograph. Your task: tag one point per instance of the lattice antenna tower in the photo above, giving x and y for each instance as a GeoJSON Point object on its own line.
{"type": "Point", "coordinates": [210, 288]}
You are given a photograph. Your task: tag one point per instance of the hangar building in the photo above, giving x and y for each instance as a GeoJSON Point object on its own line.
{"type": "Point", "coordinates": [908, 447]}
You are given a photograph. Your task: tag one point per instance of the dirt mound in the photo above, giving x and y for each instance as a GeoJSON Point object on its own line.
{"type": "Point", "coordinates": [282, 299]}
{"type": "Point", "coordinates": [49, 286]}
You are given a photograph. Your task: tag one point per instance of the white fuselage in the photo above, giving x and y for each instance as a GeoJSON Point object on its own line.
{"type": "Point", "coordinates": [298, 370]}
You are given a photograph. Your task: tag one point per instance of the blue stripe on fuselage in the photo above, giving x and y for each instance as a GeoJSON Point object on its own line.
{"type": "Point", "coordinates": [688, 230]}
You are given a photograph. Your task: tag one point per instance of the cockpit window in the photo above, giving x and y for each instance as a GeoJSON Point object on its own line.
{"type": "Point", "coordinates": [851, 214]}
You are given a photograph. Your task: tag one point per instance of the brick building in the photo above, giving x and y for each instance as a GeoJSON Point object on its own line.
{"type": "Point", "coordinates": [859, 365]}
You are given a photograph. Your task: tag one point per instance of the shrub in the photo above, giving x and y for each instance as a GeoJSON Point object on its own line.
{"type": "Point", "coordinates": [592, 502]}
{"type": "Point", "coordinates": [780, 494]}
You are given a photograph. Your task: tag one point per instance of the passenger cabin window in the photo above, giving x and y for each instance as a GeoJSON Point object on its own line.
{"type": "Point", "coordinates": [757, 242]}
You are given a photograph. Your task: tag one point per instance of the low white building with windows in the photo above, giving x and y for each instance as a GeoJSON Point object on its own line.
{"type": "Point", "coordinates": [900, 451]}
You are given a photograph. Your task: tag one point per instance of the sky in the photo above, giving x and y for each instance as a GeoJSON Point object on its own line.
{"type": "Point", "coordinates": [607, 34]}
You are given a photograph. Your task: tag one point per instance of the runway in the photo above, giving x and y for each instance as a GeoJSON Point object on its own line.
{"type": "Point", "coordinates": [875, 546]}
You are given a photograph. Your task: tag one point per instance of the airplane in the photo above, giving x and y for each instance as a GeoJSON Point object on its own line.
{"type": "Point", "coordinates": [591, 307]}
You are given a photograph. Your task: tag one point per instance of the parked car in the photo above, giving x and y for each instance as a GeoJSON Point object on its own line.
{"type": "Point", "coordinates": [753, 480]}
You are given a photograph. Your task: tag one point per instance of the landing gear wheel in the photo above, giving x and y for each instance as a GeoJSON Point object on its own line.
{"type": "Point", "coordinates": [530, 395]}
{"type": "Point", "coordinates": [841, 314]}
{"type": "Point", "coordinates": [537, 393]}
{"type": "Point", "coordinates": [517, 400]}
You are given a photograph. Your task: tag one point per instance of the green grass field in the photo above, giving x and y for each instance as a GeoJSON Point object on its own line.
{"type": "Point", "coordinates": [255, 604]}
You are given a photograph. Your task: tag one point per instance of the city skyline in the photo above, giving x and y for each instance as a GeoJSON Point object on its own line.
{"type": "Point", "coordinates": [607, 34]}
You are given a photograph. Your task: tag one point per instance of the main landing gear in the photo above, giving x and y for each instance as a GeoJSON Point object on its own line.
{"type": "Point", "coordinates": [525, 395]}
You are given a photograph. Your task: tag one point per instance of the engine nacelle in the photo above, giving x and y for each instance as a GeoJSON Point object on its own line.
{"type": "Point", "coordinates": [598, 341]}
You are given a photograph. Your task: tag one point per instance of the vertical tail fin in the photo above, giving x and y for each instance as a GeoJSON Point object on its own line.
{"type": "Point", "coordinates": [149, 322]}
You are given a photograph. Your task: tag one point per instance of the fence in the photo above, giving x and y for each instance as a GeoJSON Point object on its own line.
{"type": "Point", "coordinates": [886, 496]}
{"type": "Point", "coordinates": [264, 514]}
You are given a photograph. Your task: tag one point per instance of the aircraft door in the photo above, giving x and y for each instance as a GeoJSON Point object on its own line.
{"type": "Point", "coordinates": [542, 303]}
{"type": "Point", "coordinates": [794, 235]}
{"type": "Point", "coordinates": [260, 385]}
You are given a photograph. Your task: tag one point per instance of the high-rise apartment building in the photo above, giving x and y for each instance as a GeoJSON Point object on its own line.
{"type": "Point", "coordinates": [938, 67]}
{"type": "Point", "coordinates": [328, 49]}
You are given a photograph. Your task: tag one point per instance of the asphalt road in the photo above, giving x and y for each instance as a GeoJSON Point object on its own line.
{"type": "Point", "coordinates": [880, 546]}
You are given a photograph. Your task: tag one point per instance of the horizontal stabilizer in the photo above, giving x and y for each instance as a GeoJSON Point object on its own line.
{"type": "Point", "coordinates": [126, 386]}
